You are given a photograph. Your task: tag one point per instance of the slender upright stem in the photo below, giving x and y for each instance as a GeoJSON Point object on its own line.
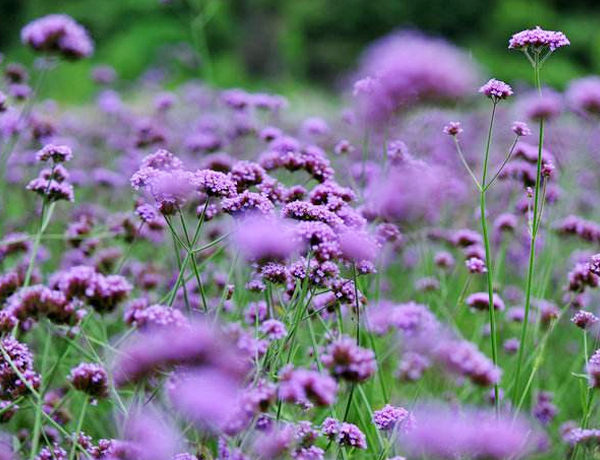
{"type": "Point", "coordinates": [533, 237]}
{"type": "Point", "coordinates": [488, 255]}
{"type": "Point", "coordinates": [464, 162]}
{"type": "Point", "coordinates": [46, 215]}
{"type": "Point", "coordinates": [84, 405]}
{"type": "Point", "coordinates": [588, 397]}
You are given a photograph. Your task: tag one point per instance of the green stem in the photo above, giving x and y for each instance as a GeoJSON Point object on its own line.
{"type": "Point", "coordinates": [193, 259]}
{"type": "Point", "coordinates": [181, 276]}
{"type": "Point", "coordinates": [44, 221]}
{"type": "Point", "coordinates": [78, 429]}
{"type": "Point", "coordinates": [464, 161]}
{"type": "Point", "coordinates": [488, 256]}
{"type": "Point", "coordinates": [534, 230]}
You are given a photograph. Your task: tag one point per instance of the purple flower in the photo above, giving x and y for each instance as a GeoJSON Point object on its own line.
{"type": "Point", "coordinates": [33, 302]}
{"type": "Point", "coordinates": [348, 361]}
{"type": "Point", "coordinates": [51, 189]}
{"type": "Point", "coordinates": [3, 102]}
{"type": "Point", "coordinates": [254, 238]}
{"type": "Point", "coordinates": [56, 153]}
{"type": "Point", "coordinates": [16, 355]}
{"type": "Point", "coordinates": [441, 433]}
{"type": "Point", "coordinates": [275, 444]}
{"type": "Point", "coordinates": [213, 183]}
{"type": "Point", "coordinates": [475, 265]}
{"type": "Point", "coordinates": [207, 396]}
{"type": "Point", "coordinates": [548, 106]}
{"type": "Point", "coordinates": [521, 129]}
{"type": "Point", "coordinates": [584, 319]}
{"type": "Point", "coordinates": [102, 292]}
{"type": "Point", "coordinates": [248, 202]}
{"type": "Point", "coordinates": [301, 386]}
{"type": "Point", "coordinates": [392, 417]}
{"type": "Point", "coordinates": [583, 96]}
{"type": "Point", "coordinates": [273, 329]}
{"type": "Point", "coordinates": [412, 366]}
{"type": "Point", "coordinates": [411, 68]}
{"type": "Point", "coordinates": [496, 90]}
{"type": "Point", "coordinates": [58, 33]}
{"type": "Point", "coordinates": [162, 159]}
{"type": "Point", "coordinates": [481, 301]}
{"type": "Point", "coordinates": [465, 359]}
{"type": "Point", "coordinates": [584, 436]}
{"type": "Point", "coordinates": [538, 39]}
{"type": "Point", "coordinates": [506, 222]}
{"type": "Point", "coordinates": [357, 246]}
{"type": "Point", "coordinates": [453, 128]}
{"type": "Point", "coordinates": [90, 378]}
{"type": "Point", "coordinates": [345, 434]}
{"type": "Point", "coordinates": [593, 370]}
{"type": "Point", "coordinates": [544, 410]}
{"type": "Point", "coordinates": [343, 147]}
{"type": "Point", "coordinates": [148, 435]}
{"type": "Point", "coordinates": [104, 74]}
{"type": "Point", "coordinates": [164, 348]}
{"type": "Point", "coordinates": [511, 346]}
{"type": "Point", "coordinates": [144, 316]}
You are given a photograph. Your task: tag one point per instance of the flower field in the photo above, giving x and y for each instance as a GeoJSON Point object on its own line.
{"type": "Point", "coordinates": [407, 270]}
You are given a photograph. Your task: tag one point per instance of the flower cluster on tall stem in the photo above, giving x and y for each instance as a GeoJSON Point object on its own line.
{"type": "Point", "coordinates": [496, 90]}
{"type": "Point", "coordinates": [538, 45]}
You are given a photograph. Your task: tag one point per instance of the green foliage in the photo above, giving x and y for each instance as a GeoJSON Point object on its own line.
{"type": "Point", "coordinates": [310, 42]}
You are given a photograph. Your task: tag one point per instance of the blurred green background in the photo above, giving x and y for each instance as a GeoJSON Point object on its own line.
{"type": "Point", "coordinates": [286, 45]}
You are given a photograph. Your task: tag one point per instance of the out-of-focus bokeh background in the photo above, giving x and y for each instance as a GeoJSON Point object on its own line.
{"type": "Point", "coordinates": [289, 45]}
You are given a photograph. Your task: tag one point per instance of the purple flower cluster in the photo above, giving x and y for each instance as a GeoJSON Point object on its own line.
{"type": "Point", "coordinates": [90, 378]}
{"type": "Point", "coordinates": [17, 375]}
{"type": "Point", "coordinates": [343, 433]}
{"type": "Point", "coordinates": [346, 360]}
{"type": "Point", "coordinates": [52, 183]}
{"type": "Point", "coordinates": [301, 386]}
{"type": "Point", "coordinates": [496, 90]}
{"type": "Point", "coordinates": [538, 39]}
{"type": "Point", "coordinates": [58, 33]}
{"type": "Point", "coordinates": [392, 417]}
{"type": "Point", "coordinates": [464, 359]}
{"type": "Point", "coordinates": [442, 433]}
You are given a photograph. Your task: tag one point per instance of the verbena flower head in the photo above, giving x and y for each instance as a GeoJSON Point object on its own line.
{"type": "Point", "coordinates": [255, 238]}
{"type": "Point", "coordinates": [90, 378]}
{"type": "Point", "coordinates": [583, 96]}
{"type": "Point", "coordinates": [411, 68]}
{"type": "Point", "coordinates": [56, 153]}
{"type": "Point", "coordinates": [21, 359]}
{"type": "Point", "coordinates": [345, 434]}
{"type": "Point", "coordinates": [302, 386]}
{"type": "Point", "coordinates": [206, 396]}
{"type": "Point", "coordinates": [60, 34]}
{"type": "Point", "coordinates": [584, 319]}
{"type": "Point", "coordinates": [548, 106]}
{"type": "Point", "coordinates": [481, 301]}
{"type": "Point", "coordinates": [392, 417]}
{"type": "Point", "coordinates": [496, 90]}
{"type": "Point", "coordinates": [538, 39]}
{"type": "Point", "coordinates": [544, 410]}
{"type": "Point", "coordinates": [161, 349]}
{"type": "Point", "coordinates": [453, 128]}
{"type": "Point", "coordinates": [443, 433]}
{"type": "Point", "coordinates": [348, 361]}
{"type": "Point", "coordinates": [521, 129]}
{"type": "Point", "coordinates": [463, 358]}
{"type": "Point", "coordinates": [476, 265]}
{"type": "Point", "coordinates": [593, 370]}
{"type": "Point", "coordinates": [148, 434]}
